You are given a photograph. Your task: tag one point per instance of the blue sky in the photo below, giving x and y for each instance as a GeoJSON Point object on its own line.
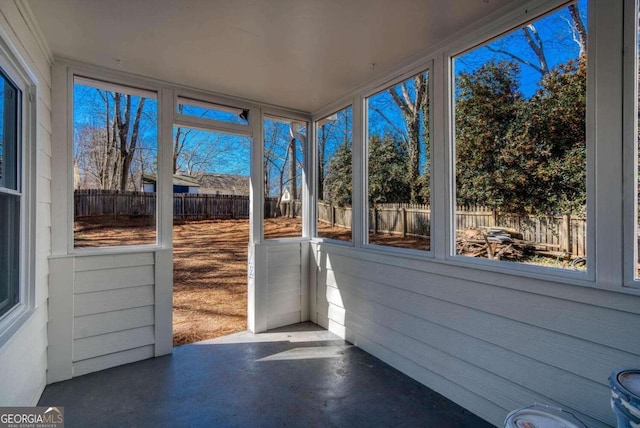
{"type": "Point", "coordinates": [556, 34]}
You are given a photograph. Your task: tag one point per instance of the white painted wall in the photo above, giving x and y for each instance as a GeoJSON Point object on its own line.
{"type": "Point", "coordinates": [278, 284]}
{"type": "Point", "coordinates": [23, 360]}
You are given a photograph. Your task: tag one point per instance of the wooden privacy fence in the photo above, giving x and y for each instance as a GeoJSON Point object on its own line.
{"type": "Point", "coordinates": [334, 215]}
{"type": "Point", "coordinates": [566, 232]}
{"type": "Point", "coordinates": [92, 203]}
{"type": "Point", "coordinates": [273, 209]}
{"type": "Point", "coordinates": [195, 206]}
{"type": "Point", "coordinates": [187, 206]}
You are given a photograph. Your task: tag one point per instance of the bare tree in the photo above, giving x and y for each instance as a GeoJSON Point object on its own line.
{"type": "Point", "coordinates": [537, 45]}
{"type": "Point", "coordinates": [410, 101]}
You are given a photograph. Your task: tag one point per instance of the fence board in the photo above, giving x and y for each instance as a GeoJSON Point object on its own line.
{"type": "Point", "coordinates": [187, 206]}
{"type": "Point", "coordinates": [567, 233]}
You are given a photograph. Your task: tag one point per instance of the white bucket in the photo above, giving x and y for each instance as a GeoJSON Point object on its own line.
{"type": "Point", "coordinates": [542, 416]}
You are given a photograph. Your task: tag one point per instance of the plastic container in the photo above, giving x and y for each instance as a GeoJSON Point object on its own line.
{"type": "Point", "coordinates": [625, 397]}
{"type": "Point", "coordinates": [542, 416]}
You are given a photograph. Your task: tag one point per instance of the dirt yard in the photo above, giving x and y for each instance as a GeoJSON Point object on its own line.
{"type": "Point", "coordinates": [210, 267]}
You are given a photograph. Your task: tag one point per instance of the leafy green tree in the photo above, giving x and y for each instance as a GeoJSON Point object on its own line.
{"type": "Point", "coordinates": [487, 107]}
{"type": "Point", "coordinates": [556, 128]}
{"type": "Point", "coordinates": [522, 156]}
{"type": "Point", "coordinates": [388, 163]}
{"type": "Point", "coordinates": [338, 186]}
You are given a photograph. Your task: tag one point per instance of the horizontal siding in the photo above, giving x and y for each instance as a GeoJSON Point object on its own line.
{"type": "Point", "coordinates": [434, 342]}
{"type": "Point", "coordinates": [284, 256]}
{"type": "Point", "coordinates": [596, 324]}
{"type": "Point", "coordinates": [280, 303]}
{"type": "Point", "coordinates": [110, 279]}
{"type": "Point", "coordinates": [110, 322]}
{"type": "Point", "coordinates": [114, 311]}
{"type": "Point", "coordinates": [112, 300]}
{"type": "Point", "coordinates": [110, 343]}
{"type": "Point", "coordinates": [115, 261]}
{"type": "Point", "coordinates": [280, 320]}
{"type": "Point", "coordinates": [112, 360]}
{"type": "Point", "coordinates": [284, 285]}
{"type": "Point", "coordinates": [500, 348]}
{"type": "Point", "coordinates": [284, 278]}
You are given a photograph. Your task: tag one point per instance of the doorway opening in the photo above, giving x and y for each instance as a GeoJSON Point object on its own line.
{"type": "Point", "coordinates": [210, 233]}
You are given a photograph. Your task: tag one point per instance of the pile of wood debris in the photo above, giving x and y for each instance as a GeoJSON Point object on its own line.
{"type": "Point", "coordinates": [503, 243]}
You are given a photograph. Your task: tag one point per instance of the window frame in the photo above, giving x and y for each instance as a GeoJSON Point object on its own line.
{"type": "Point", "coordinates": [18, 73]}
{"type": "Point", "coordinates": [426, 66]}
{"type": "Point", "coordinates": [203, 100]}
{"type": "Point", "coordinates": [473, 41]}
{"type": "Point", "coordinates": [126, 86]}
{"type": "Point", "coordinates": [283, 116]}
{"type": "Point", "coordinates": [316, 174]}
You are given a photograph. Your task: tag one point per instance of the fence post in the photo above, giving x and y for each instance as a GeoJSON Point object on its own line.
{"type": "Point", "coordinates": [333, 214]}
{"type": "Point", "coordinates": [404, 222]}
{"type": "Point", "coordinates": [115, 205]}
{"type": "Point", "coordinates": [566, 228]}
{"type": "Point", "coordinates": [375, 220]}
{"type": "Point", "coordinates": [182, 198]}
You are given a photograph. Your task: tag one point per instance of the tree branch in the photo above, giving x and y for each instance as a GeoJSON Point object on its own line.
{"type": "Point", "coordinates": [517, 58]}
{"type": "Point", "coordinates": [579, 27]}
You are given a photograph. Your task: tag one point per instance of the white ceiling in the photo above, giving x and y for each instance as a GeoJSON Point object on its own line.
{"type": "Point", "coordinates": [300, 54]}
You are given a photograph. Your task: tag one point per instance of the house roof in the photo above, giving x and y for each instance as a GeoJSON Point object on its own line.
{"type": "Point", "coordinates": [178, 180]}
{"type": "Point", "coordinates": [217, 182]}
{"type": "Point", "coordinates": [300, 54]}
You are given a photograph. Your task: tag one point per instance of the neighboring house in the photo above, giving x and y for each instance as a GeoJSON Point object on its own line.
{"type": "Point", "coordinates": [181, 183]}
{"type": "Point", "coordinates": [223, 184]}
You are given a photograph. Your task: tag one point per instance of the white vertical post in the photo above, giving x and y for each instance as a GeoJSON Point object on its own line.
{"type": "Point", "coordinates": [164, 199]}
{"type": "Point", "coordinates": [604, 144]}
{"type": "Point", "coordinates": [61, 170]}
{"type": "Point", "coordinates": [443, 202]}
{"type": "Point", "coordinates": [257, 263]}
{"type": "Point", "coordinates": [358, 158]}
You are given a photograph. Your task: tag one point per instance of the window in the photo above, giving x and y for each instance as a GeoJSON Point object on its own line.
{"type": "Point", "coordinates": [210, 175]}
{"type": "Point", "coordinates": [11, 194]}
{"type": "Point", "coordinates": [399, 165]}
{"type": "Point", "coordinates": [520, 148]}
{"type": "Point", "coordinates": [284, 145]}
{"type": "Point", "coordinates": [206, 110]}
{"type": "Point", "coordinates": [335, 183]}
{"type": "Point", "coordinates": [115, 140]}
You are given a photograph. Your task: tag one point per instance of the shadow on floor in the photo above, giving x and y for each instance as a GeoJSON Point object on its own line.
{"type": "Point", "coordinates": [296, 376]}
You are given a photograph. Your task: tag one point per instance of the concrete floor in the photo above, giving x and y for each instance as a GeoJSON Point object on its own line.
{"type": "Point", "coordinates": [297, 376]}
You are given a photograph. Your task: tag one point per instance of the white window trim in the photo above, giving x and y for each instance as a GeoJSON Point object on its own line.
{"type": "Point", "coordinates": [18, 72]}
{"type": "Point", "coordinates": [316, 174]}
{"type": "Point", "coordinates": [425, 67]}
{"type": "Point", "coordinates": [630, 124]}
{"type": "Point", "coordinates": [510, 23]}
{"type": "Point", "coordinates": [283, 116]}
{"type": "Point", "coordinates": [100, 80]}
